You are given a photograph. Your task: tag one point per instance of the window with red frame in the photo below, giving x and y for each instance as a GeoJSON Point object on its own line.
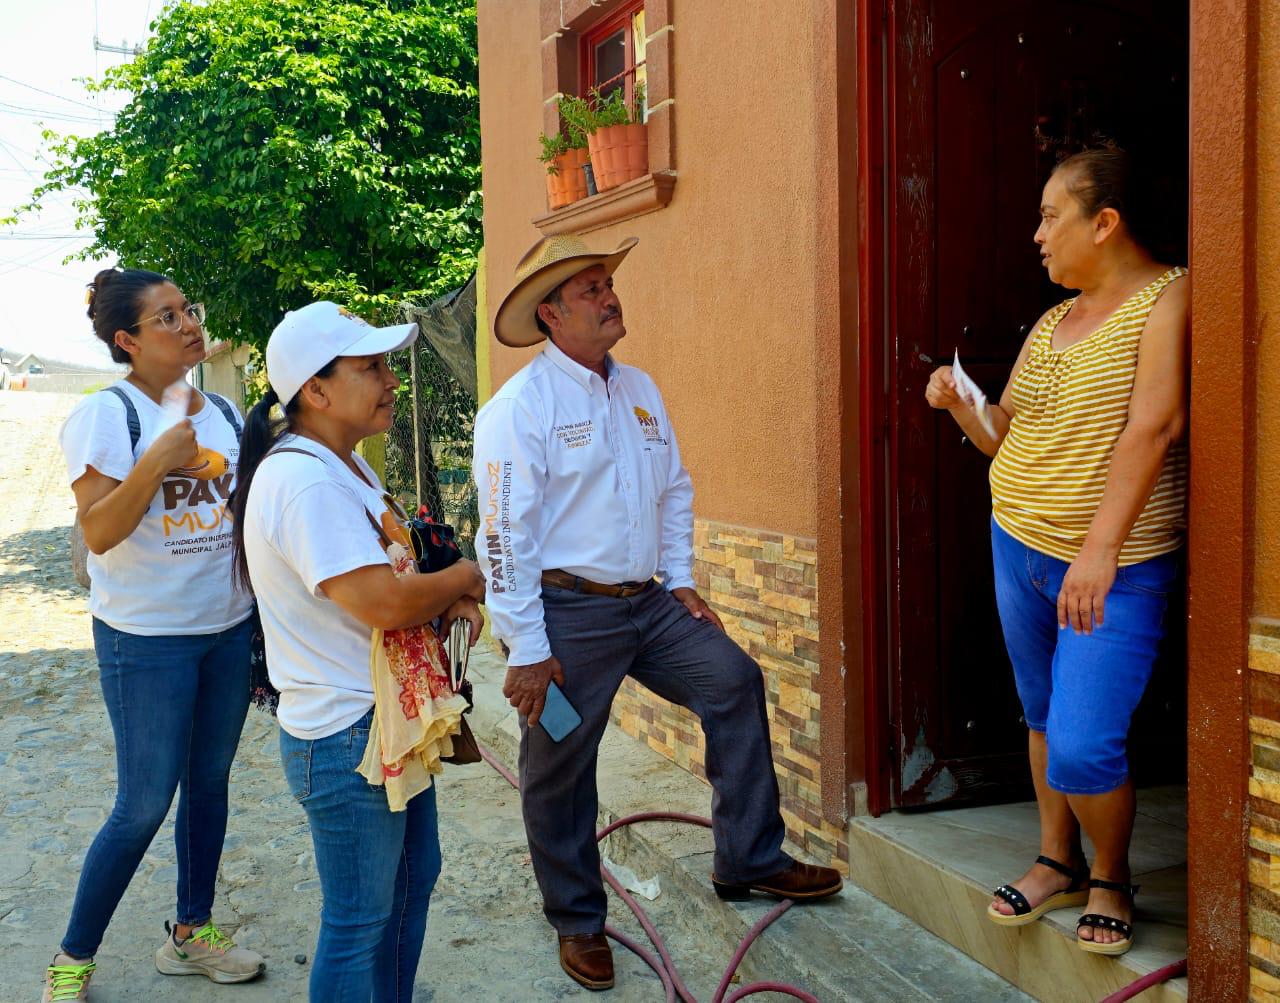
{"type": "Point", "coordinates": [613, 53]}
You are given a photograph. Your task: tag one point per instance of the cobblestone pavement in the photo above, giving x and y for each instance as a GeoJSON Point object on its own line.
{"type": "Point", "coordinates": [486, 938]}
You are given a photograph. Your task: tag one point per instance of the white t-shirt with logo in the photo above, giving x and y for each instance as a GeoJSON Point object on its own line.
{"type": "Point", "coordinates": [305, 522]}
{"type": "Point", "coordinates": [171, 575]}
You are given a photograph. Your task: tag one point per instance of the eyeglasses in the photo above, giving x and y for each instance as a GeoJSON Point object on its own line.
{"type": "Point", "coordinates": [171, 320]}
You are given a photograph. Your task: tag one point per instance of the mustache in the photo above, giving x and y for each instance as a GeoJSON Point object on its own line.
{"type": "Point", "coordinates": [612, 313]}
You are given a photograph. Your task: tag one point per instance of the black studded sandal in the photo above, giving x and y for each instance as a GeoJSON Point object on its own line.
{"type": "Point", "coordinates": [1074, 894]}
{"type": "Point", "coordinates": [1096, 921]}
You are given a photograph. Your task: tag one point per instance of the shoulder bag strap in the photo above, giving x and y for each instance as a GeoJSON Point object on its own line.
{"type": "Point", "coordinates": [377, 528]}
{"type": "Point", "coordinates": [130, 417]}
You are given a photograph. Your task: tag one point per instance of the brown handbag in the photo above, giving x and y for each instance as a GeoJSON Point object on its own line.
{"type": "Point", "coordinates": [466, 749]}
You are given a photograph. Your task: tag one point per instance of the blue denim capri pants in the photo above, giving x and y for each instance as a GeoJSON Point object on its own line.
{"type": "Point", "coordinates": [1080, 690]}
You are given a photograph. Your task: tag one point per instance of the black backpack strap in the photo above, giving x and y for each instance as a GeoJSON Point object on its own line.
{"type": "Point", "coordinates": [228, 412]}
{"type": "Point", "coordinates": [130, 417]}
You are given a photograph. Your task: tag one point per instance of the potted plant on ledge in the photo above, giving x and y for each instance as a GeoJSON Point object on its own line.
{"type": "Point", "coordinates": [564, 154]}
{"type": "Point", "coordinates": [616, 135]}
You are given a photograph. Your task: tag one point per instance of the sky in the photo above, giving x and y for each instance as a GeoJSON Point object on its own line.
{"type": "Point", "coordinates": [46, 49]}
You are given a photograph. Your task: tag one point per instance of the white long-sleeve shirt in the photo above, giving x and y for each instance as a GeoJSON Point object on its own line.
{"type": "Point", "coordinates": [576, 475]}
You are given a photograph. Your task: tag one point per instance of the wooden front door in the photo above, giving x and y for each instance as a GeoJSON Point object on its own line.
{"type": "Point", "coordinates": [984, 97]}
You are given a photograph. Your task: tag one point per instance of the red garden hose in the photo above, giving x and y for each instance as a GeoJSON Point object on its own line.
{"type": "Point", "coordinates": [673, 985]}
{"type": "Point", "coordinates": [663, 965]}
{"type": "Point", "coordinates": [1147, 981]}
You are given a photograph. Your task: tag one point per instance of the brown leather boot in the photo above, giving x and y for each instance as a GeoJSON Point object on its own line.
{"type": "Point", "coordinates": [587, 959]}
{"type": "Point", "coordinates": [799, 882]}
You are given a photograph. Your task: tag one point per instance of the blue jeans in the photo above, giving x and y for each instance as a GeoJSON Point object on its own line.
{"type": "Point", "coordinates": [1080, 690]}
{"type": "Point", "coordinates": [177, 704]}
{"type": "Point", "coordinates": [377, 870]}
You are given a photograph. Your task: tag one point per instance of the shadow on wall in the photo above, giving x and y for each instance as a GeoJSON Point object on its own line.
{"type": "Point", "coordinates": [38, 559]}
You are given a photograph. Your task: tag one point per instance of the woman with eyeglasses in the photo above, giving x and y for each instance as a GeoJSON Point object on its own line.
{"type": "Point", "coordinates": [170, 628]}
{"type": "Point", "coordinates": [308, 515]}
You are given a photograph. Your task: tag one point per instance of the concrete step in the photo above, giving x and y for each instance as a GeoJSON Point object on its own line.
{"type": "Point", "coordinates": [850, 947]}
{"type": "Point", "coordinates": [939, 868]}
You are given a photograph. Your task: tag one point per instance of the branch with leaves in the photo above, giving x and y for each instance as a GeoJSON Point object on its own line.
{"type": "Point", "coordinates": [279, 151]}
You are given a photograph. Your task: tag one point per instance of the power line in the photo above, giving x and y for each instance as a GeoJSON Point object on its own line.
{"type": "Point", "coordinates": [27, 257]}
{"type": "Point", "coordinates": [41, 90]}
{"type": "Point", "coordinates": [46, 114]}
{"type": "Point", "coordinates": [12, 147]}
{"type": "Point", "coordinates": [55, 111]}
{"type": "Point", "coordinates": [95, 35]}
{"type": "Point", "coordinates": [31, 257]}
{"type": "Point", "coordinates": [44, 236]}
{"type": "Point", "coordinates": [58, 199]}
{"type": "Point", "coordinates": [47, 271]}
{"type": "Point", "coordinates": [51, 226]}
{"type": "Point", "coordinates": [12, 156]}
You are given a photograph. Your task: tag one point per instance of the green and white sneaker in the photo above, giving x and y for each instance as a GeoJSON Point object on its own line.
{"type": "Point", "coordinates": [209, 952]}
{"type": "Point", "coordinates": [66, 982]}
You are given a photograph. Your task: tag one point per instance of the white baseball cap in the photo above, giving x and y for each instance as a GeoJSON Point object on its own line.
{"type": "Point", "coordinates": [310, 338]}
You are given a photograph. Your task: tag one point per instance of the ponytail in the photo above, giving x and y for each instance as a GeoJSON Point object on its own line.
{"type": "Point", "coordinates": [261, 433]}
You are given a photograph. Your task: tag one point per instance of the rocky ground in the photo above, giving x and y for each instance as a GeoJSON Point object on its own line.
{"type": "Point", "coordinates": [486, 939]}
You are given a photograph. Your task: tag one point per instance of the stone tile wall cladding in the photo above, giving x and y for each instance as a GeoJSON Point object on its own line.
{"type": "Point", "coordinates": [1264, 811]}
{"type": "Point", "coordinates": [764, 587]}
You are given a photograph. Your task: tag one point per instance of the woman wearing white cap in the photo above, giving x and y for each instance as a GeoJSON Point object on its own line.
{"type": "Point", "coordinates": [303, 539]}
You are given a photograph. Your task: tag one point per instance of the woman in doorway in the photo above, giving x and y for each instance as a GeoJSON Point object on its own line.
{"type": "Point", "coordinates": [303, 537]}
{"type": "Point", "coordinates": [170, 630]}
{"type": "Point", "coordinates": [1088, 486]}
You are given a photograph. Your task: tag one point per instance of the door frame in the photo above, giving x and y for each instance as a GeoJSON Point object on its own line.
{"type": "Point", "coordinates": [1219, 551]}
{"type": "Point", "coordinates": [1223, 76]}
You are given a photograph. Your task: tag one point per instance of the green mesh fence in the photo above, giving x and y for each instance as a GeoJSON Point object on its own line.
{"type": "Point", "coordinates": [429, 445]}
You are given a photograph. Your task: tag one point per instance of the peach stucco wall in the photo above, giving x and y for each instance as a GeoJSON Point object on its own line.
{"type": "Point", "coordinates": [1267, 491]}
{"type": "Point", "coordinates": [719, 294]}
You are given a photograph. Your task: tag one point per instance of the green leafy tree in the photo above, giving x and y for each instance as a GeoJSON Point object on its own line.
{"type": "Point", "coordinates": [279, 151]}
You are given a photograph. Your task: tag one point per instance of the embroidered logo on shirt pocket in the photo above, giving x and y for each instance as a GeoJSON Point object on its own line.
{"type": "Point", "coordinates": [650, 427]}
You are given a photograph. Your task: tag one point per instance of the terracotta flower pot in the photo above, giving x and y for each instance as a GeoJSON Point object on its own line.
{"type": "Point", "coordinates": [619, 153]}
{"type": "Point", "coordinates": [568, 184]}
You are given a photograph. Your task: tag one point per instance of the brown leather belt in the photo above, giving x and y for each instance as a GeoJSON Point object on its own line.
{"type": "Point", "coordinates": [563, 580]}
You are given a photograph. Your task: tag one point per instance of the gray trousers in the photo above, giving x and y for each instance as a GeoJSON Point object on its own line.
{"type": "Point", "coordinates": [651, 637]}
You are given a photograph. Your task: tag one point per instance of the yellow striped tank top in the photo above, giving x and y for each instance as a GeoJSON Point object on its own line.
{"type": "Point", "coordinates": [1071, 406]}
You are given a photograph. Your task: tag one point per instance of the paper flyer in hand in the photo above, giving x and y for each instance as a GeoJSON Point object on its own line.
{"type": "Point", "coordinates": [972, 395]}
{"type": "Point", "coordinates": [175, 402]}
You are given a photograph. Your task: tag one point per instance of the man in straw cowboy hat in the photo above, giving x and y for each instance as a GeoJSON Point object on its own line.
{"type": "Point", "coordinates": [583, 500]}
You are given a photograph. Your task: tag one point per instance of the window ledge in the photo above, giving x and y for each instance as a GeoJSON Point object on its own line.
{"type": "Point", "coordinates": [636, 198]}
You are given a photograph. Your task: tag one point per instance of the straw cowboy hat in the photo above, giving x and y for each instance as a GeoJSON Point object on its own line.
{"type": "Point", "coordinates": [548, 264]}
